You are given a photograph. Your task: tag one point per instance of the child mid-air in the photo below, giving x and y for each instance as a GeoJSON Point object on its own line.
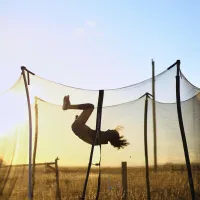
{"type": "Point", "coordinates": [87, 134]}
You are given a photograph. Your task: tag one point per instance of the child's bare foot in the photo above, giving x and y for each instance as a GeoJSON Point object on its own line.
{"type": "Point", "coordinates": [66, 102]}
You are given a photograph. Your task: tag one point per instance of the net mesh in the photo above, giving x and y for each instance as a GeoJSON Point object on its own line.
{"type": "Point", "coordinates": [13, 146]}
{"type": "Point", "coordinates": [53, 138]}
{"type": "Point", "coordinates": [54, 92]}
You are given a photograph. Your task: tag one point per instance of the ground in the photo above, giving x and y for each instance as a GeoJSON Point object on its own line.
{"type": "Point", "coordinates": [169, 183]}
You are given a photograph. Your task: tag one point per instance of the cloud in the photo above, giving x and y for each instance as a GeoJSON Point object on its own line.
{"type": "Point", "coordinates": [79, 31]}
{"type": "Point", "coordinates": [84, 31]}
{"type": "Point", "coordinates": [90, 23]}
{"type": "Point", "coordinates": [98, 34]}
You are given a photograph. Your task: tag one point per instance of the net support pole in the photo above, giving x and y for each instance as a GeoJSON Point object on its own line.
{"type": "Point", "coordinates": [182, 130]}
{"type": "Point", "coordinates": [58, 194]}
{"type": "Point", "coordinates": [35, 145]}
{"type": "Point", "coordinates": [154, 116]}
{"type": "Point", "coordinates": [146, 146]}
{"type": "Point", "coordinates": [98, 128]}
{"type": "Point", "coordinates": [30, 134]}
{"type": "Point", "coordinates": [124, 181]}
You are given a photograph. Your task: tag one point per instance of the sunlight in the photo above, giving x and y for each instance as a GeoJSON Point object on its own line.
{"type": "Point", "coordinates": [14, 109]}
{"type": "Point", "coordinates": [13, 113]}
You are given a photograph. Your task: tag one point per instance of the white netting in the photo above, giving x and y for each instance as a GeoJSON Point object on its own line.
{"type": "Point", "coordinates": [122, 107]}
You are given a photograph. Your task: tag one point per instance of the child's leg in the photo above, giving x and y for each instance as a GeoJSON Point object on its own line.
{"type": "Point", "coordinates": [87, 109]}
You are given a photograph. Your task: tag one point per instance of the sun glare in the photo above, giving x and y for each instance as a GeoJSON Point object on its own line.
{"type": "Point", "coordinates": [13, 112]}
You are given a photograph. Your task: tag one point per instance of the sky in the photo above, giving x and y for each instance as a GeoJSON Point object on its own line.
{"type": "Point", "coordinates": [98, 44]}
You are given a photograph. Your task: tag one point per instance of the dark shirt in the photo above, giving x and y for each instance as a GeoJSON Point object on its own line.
{"type": "Point", "coordinates": [87, 134]}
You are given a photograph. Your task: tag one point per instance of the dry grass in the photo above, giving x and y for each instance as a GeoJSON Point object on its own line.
{"type": "Point", "coordinates": [165, 184]}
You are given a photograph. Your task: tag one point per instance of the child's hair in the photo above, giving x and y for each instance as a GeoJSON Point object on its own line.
{"type": "Point", "coordinates": [118, 141]}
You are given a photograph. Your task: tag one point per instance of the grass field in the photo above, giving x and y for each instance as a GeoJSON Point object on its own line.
{"type": "Point", "coordinates": [166, 184]}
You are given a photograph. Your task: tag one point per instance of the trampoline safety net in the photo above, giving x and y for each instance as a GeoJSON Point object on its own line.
{"type": "Point", "coordinates": [60, 157]}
